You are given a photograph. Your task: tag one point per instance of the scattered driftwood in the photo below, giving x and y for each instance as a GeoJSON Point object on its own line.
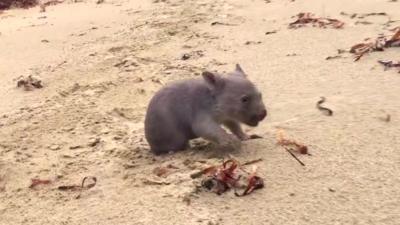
{"type": "Point", "coordinates": [291, 145]}
{"type": "Point", "coordinates": [29, 83]}
{"type": "Point", "coordinates": [81, 187]}
{"type": "Point", "coordinates": [231, 175]}
{"type": "Point", "coordinates": [359, 50]}
{"type": "Point", "coordinates": [308, 18]}
{"type": "Point", "coordinates": [389, 64]}
{"type": "Point", "coordinates": [325, 110]}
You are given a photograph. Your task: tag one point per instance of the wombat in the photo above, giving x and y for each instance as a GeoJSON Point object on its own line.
{"type": "Point", "coordinates": [198, 107]}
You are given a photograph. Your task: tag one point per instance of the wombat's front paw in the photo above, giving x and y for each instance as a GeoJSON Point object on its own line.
{"type": "Point", "coordinates": [230, 142]}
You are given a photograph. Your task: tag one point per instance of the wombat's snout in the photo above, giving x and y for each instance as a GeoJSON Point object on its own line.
{"type": "Point", "coordinates": [255, 119]}
{"type": "Point", "coordinates": [262, 115]}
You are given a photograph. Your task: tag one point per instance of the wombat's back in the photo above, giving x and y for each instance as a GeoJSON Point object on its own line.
{"type": "Point", "coordinates": [171, 111]}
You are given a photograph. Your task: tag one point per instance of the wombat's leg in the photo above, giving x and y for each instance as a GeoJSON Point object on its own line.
{"type": "Point", "coordinates": [236, 129]}
{"type": "Point", "coordinates": [208, 129]}
{"type": "Point", "coordinates": [171, 143]}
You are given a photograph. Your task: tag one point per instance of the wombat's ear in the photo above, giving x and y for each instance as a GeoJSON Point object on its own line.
{"type": "Point", "coordinates": [212, 79]}
{"type": "Point", "coordinates": [239, 71]}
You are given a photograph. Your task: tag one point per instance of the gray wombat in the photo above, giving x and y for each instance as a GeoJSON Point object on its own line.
{"type": "Point", "coordinates": [198, 107]}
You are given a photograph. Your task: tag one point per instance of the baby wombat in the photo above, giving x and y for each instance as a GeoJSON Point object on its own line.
{"type": "Point", "coordinates": [197, 108]}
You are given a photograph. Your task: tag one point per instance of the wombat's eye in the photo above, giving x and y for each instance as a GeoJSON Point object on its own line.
{"type": "Point", "coordinates": [245, 99]}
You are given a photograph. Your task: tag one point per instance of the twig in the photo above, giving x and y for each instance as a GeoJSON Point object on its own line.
{"type": "Point", "coordinates": [81, 187]}
{"type": "Point", "coordinates": [294, 156]}
{"type": "Point", "coordinates": [328, 111]}
{"type": "Point", "coordinates": [252, 162]}
{"type": "Point", "coordinates": [221, 23]}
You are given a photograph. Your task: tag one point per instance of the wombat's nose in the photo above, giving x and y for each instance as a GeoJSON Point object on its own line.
{"type": "Point", "coordinates": [262, 115]}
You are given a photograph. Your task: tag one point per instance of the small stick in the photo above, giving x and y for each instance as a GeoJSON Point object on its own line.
{"type": "Point", "coordinates": [294, 156]}
{"type": "Point", "coordinates": [252, 162]}
{"type": "Point", "coordinates": [328, 112]}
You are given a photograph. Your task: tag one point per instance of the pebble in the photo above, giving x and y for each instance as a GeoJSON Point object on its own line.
{"type": "Point", "coordinates": [93, 142]}
{"type": "Point", "coordinates": [75, 146]}
{"type": "Point", "coordinates": [54, 147]}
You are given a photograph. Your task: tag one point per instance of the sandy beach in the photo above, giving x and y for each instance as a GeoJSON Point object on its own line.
{"type": "Point", "coordinates": [101, 63]}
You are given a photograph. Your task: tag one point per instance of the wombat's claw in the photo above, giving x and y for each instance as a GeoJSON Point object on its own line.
{"type": "Point", "coordinates": [254, 136]}
{"type": "Point", "coordinates": [249, 137]}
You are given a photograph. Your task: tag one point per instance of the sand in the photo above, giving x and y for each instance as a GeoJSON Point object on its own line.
{"type": "Point", "coordinates": [101, 63]}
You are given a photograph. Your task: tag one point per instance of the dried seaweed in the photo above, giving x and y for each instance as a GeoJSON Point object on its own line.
{"type": "Point", "coordinates": [308, 18]}
{"type": "Point", "coordinates": [289, 145]}
{"type": "Point", "coordinates": [389, 64]}
{"type": "Point", "coordinates": [35, 182]}
{"type": "Point", "coordinates": [208, 170]}
{"type": "Point", "coordinates": [361, 16]}
{"type": "Point", "coordinates": [394, 41]}
{"type": "Point", "coordinates": [254, 182]}
{"type": "Point", "coordinates": [359, 50]}
{"type": "Point", "coordinates": [283, 141]}
{"type": "Point", "coordinates": [227, 176]}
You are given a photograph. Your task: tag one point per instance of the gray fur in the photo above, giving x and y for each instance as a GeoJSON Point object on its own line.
{"type": "Point", "coordinates": [198, 107]}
